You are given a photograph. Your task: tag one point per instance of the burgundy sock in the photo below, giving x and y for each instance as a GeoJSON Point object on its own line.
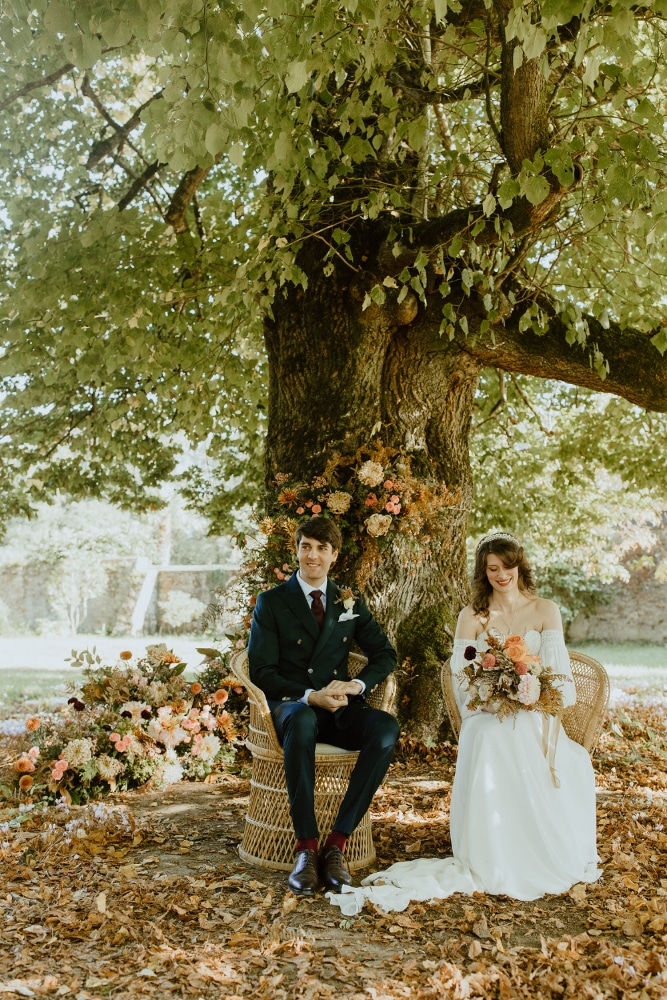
{"type": "Point", "coordinates": [336, 839]}
{"type": "Point", "coordinates": [307, 844]}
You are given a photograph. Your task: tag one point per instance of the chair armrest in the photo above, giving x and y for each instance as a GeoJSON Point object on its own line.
{"type": "Point", "coordinates": [239, 667]}
{"type": "Point", "coordinates": [388, 693]}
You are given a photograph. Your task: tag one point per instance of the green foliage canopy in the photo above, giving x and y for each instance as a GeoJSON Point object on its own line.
{"type": "Point", "coordinates": [166, 162]}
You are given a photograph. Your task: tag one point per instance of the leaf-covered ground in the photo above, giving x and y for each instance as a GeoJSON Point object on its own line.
{"type": "Point", "coordinates": [145, 895]}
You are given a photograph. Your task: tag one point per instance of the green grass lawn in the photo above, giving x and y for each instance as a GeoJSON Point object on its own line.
{"type": "Point", "coordinates": [630, 663]}
{"type": "Point", "coordinates": [34, 685]}
{"type": "Point", "coordinates": [38, 685]}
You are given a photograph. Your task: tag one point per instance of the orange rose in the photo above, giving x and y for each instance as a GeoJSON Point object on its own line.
{"type": "Point", "coordinates": [221, 696]}
{"type": "Point", "coordinates": [32, 724]}
{"type": "Point", "coordinates": [23, 765]}
{"type": "Point", "coordinates": [512, 640]}
{"type": "Point", "coordinates": [25, 783]}
{"type": "Point", "coordinates": [196, 688]}
{"type": "Point", "coordinates": [516, 651]}
{"type": "Point", "coordinates": [125, 655]}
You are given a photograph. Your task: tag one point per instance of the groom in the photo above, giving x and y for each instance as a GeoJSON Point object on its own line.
{"type": "Point", "coordinates": [300, 638]}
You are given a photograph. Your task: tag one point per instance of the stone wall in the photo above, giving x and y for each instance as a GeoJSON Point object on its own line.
{"type": "Point", "coordinates": [630, 611]}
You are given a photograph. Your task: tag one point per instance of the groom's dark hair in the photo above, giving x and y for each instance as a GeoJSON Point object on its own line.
{"type": "Point", "coordinates": [322, 529]}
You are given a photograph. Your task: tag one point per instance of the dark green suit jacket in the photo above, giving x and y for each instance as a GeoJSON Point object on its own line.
{"type": "Point", "coordinates": [287, 652]}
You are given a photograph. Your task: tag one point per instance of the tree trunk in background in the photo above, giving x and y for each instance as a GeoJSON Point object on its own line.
{"type": "Point", "coordinates": [340, 376]}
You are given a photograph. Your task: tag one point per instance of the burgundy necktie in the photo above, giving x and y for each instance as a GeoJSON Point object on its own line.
{"type": "Point", "coordinates": [317, 607]}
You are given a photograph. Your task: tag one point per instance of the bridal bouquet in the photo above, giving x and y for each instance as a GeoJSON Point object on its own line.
{"type": "Point", "coordinates": [507, 677]}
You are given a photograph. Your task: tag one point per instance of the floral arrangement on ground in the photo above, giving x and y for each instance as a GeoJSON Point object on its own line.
{"type": "Point", "coordinates": [506, 678]}
{"type": "Point", "coordinates": [137, 721]}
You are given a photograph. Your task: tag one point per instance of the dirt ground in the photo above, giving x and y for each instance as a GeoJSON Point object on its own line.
{"type": "Point", "coordinates": [147, 896]}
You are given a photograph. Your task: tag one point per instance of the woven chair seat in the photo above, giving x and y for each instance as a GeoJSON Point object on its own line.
{"type": "Point", "coordinates": [268, 835]}
{"type": "Point", "coordinates": [582, 721]}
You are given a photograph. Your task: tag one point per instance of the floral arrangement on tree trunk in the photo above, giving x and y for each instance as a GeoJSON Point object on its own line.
{"type": "Point", "coordinates": [507, 678]}
{"type": "Point", "coordinates": [374, 498]}
{"type": "Point", "coordinates": [136, 721]}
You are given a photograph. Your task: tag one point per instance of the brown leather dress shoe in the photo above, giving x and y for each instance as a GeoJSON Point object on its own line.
{"type": "Point", "coordinates": [303, 879]}
{"type": "Point", "coordinates": [333, 870]}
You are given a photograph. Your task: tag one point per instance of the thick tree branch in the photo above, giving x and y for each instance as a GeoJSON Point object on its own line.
{"type": "Point", "coordinates": [106, 146]}
{"type": "Point", "coordinates": [637, 371]}
{"type": "Point", "coordinates": [139, 183]}
{"type": "Point", "coordinates": [523, 101]}
{"type": "Point", "coordinates": [182, 198]}
{"type": "Point", "coordinates": [44, 81]}
{"type": "Point", "coordinates": [431, 236]}
{"type": "Point", "coordinates": [466, 91]}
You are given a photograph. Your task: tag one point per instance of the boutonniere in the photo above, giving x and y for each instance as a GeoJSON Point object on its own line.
{"type": "Point", "coordinates": [347, 599]}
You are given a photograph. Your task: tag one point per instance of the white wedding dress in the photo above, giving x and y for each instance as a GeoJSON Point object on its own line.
{"type": "Point", "coordinates": [515, 830]}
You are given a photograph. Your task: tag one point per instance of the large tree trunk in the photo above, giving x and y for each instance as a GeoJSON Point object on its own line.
{"type": "Point", "coordinates": [340, 376]}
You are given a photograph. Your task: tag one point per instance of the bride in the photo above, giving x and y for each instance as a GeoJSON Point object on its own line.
{"type": "Point", "coordinates": [522, 814]}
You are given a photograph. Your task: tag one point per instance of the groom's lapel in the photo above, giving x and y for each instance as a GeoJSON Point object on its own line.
{"type": "Point", "coordinates": [298, 605]}
{"type": "Point", "coordinates": [330, 619]}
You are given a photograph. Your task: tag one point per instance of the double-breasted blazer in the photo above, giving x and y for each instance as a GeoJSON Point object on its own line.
{"type": "Point", "coordinates": [287, 652]}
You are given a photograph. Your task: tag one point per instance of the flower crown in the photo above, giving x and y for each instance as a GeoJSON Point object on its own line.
{"type": "Point", "coordinates": [495, 536]}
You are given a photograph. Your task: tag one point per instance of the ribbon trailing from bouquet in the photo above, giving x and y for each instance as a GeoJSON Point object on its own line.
{"type": "Point", "coordinates": [550, 732]}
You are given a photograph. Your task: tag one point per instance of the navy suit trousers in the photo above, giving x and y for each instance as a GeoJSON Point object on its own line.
{"type": "Point", "coordinates": [299, 727]}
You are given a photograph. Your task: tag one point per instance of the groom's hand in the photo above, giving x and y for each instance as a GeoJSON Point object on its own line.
{"type": "Point", "coordinates": [327, 699]}
{"type": "Point", "coordinates": [344, 687]}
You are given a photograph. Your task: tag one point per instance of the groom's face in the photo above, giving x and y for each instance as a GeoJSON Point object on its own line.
{"type": "Point", "coordinates": [315, 560]}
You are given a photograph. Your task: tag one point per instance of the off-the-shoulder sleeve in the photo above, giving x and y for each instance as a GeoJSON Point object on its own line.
{"type": "Point", "coordinates": [457, 663]}
{"type": "Point", "coordinates": [553, 653]}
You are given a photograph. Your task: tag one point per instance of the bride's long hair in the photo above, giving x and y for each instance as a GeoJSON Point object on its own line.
{"type": "Point", "coordinates": [511, 553]}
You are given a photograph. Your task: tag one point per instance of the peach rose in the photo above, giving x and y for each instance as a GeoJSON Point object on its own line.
{"type": "Point", "coordinates": [488, 661]}
{"type": "Point", "coordinates": [23, 765]}
{"type": "Point", "coordinates": [32, 724]}
{"type": "Point", "coordinates": [521, 668]}
{"type": "Point", "coordinates": [515, 651]}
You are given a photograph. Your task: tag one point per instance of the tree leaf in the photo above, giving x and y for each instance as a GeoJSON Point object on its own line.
{"type": "Point", "coordinates": [297, 76]}
{"type": "Point", "coordinates": [535, 189]}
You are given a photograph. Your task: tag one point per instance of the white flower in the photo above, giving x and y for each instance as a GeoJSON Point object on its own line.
{"type": "Point", "coordinates": [484, 691]}
{"type": "Point", "coordinates": [157, 693]}
{"type": "Point", "coordinates": [134, 747]}
{"type": "Point", "coordinates": [207, 748]}
{"type": "Point", "coordinates": [108, 767]}
{"type": "Point", "coordinates": [156, 653]}
{"type": "Point", "coordinates": [370, 474]}
{"type": "Point", "coordinates": [77, 752]}
{"type": "Point", "coordinates": [378, 524]}
{"type": "Point", "coordinates": [168, 773]}
{"type": "Point", "coordinates": [167, 731]}
{"type": "Point", "coordinates": [339, 501]}
{"type": "Point", "coordinates": [529, 690]}
{"type": "Point", "coordinates": [135, 708]}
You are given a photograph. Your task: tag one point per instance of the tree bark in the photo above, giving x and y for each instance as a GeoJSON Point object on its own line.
{"type": "Point", "coordinates": [340, 376]}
